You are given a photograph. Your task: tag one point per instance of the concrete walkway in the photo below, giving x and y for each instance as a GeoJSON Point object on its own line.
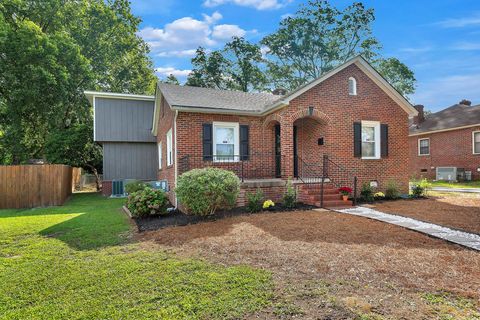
{"type": "Point", "coordinates": [461, 190]}
{"type": "Point", "coordinates": [466, 239]}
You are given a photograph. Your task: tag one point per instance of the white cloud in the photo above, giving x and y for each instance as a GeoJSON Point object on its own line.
{"type": "Point", "coordinates": [257, 4]}
{"type": "Point", "coordinates": [166, 71]}
{"type": "Point", "coordinates": [415, 49]}
{"type": "Point", "coordinates": [183, 36]}
{"type": "Point", "coordinates": [466, 46]}
{"type": "Point", "coordinates": [473, 20]}
{"type": "Point", "coordinates": [443, 92]}
{"type": "Point", "coordinates": [227, 31]}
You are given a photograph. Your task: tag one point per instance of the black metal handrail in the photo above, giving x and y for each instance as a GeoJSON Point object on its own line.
{"type": "Point", "coordinates": [309, 172]}
{"type": "Point", "coordinates": [340, 177]}
{"type": "Point", "coordinates": [252, 166]}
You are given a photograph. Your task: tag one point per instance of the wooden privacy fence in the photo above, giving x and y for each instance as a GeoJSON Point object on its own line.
{"type": "Point", "coordinates": [29, 186]}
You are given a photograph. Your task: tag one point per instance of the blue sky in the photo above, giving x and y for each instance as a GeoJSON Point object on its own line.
{"type": "Point", "coordinates": [438, 39]}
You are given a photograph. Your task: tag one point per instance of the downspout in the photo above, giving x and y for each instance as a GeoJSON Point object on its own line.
{"type": "Point", "coordinates": [176, 151]}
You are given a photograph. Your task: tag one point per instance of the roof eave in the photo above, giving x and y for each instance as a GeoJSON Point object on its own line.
{"type": "Point", "coordinates": [215, 110]}
{"type": "Point", "coordinates": [443, 130]}
{"type": "Point", "coordinates": [98, 94]}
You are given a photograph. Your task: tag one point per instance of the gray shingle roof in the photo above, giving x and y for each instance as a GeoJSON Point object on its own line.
{"type": "Point", "coordinates": [458, 115]}
{"type": "Point", "coordinates": [196, 97]}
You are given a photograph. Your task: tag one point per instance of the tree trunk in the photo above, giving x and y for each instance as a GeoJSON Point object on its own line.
{"type": "Point", "coordinates": [95, 173]}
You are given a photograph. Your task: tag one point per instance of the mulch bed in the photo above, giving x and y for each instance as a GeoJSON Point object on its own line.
{"type": "Point", "coordinates": [178, 218]}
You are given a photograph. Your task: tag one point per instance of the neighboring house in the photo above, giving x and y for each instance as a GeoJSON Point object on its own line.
{"type": "Point", "coordinates": [349, 123]}
{"type": "Point", "coordinates": [448, 138]}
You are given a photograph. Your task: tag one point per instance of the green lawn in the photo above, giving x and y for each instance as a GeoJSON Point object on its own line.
{"type": "Point", "coordinates": [465, 184]}
{"type": "Point", "coordinates": [77, 262]}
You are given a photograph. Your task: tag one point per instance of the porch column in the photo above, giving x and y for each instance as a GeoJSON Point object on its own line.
{"type": "Point", "coordinates": [286, 147]}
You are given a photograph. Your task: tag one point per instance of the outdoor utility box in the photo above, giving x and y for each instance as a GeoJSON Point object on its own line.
{"type": "Point", "coordinates": [159, 185]}
{"type": "Point", "coordinates": [447, 173]}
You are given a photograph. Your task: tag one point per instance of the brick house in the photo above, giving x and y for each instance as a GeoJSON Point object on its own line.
{"type": "Point", "coordinates": [348, 125]}
{"type": "Point", "coordinates": [446, 139]}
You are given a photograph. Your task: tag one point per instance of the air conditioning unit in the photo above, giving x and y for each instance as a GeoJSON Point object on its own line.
{"type": "Point", "coordinates": [118, 189]}
{"type": "Point", "coordinates": [160, 185]}
{"type": "Point", "coordinates": [447, 173]}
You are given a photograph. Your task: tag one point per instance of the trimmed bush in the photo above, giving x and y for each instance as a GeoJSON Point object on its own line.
{"type": "Point", "coordinates": [420, 188]}
{"type": "Point", "coordinates": [203, 191]}
{"type": "Point", "coordinates": [367, 192]}
{"type": "Point", "coordinates": [290, 196]}
{"type": "Point", "coordinates": [392, 192]}
{"type": "Point", "coordinates": [135, 186]}
{"type": "Point", "coordinates": [254, 201]}
{"type": "Point", "coordinates": [147, 202]}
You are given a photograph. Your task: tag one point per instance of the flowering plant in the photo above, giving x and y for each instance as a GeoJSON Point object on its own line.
{"type": "Point", "coordinates": [268, 204]}
{"type": "Point", "coordinates": [379, 195]}
{"type": "Point", "coordinates": [345, 190]}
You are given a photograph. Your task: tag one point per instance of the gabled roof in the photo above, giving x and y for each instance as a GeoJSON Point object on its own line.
{"type": "Point", "coordinates": [206, 100]}
{"type": "Point", "coordinates": [452, 118]}
{"type": "Point", "coordinates": [186, 97]}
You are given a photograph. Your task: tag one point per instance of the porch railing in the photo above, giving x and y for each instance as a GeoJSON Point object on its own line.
{"type": "Point", "coordinates": [339, 177]}
{"type": "Point", "coordinates": [309, 173]}
{"type": "Point", "coordinates": [253, 166]}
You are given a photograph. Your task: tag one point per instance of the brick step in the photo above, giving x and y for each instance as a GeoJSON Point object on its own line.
{"type": "Point", "coordinates": [335, 204]}
{"type": "Point", "coordinates": [315, 192]}
{"type": "Point", "coordinates": [316, 197]}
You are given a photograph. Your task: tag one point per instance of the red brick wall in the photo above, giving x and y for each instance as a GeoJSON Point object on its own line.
{"type": "Point", "coordinates": [447, 149]}
{"type": "Point", "coordinates": [107, 188]}
{"type": "Point", "coordinates": [165, 123]}
{"type": "Point", "coordinates": [269, 193]}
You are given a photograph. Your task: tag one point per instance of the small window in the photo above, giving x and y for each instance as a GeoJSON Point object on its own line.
{"type": "Point", "coordinates": [159, 155]}
{"type": "Point", "coordinates": [352, 86]}
{"type": "Point", "coordinates": [424, 147]}
{"type": "Point", "coordinates": [169, 148]}
{"type": "Point", "coordinates": [476, 142]}
{"type": "Point", "coordinates": [225, 137]}
{"type": "Point", "coordinates": [370, 140]}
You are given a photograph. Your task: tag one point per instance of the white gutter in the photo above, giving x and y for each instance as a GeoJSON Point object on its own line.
{"type": "Point", "coordinates": [176, 151]}
{"type": "Point", "coordinates": [98, 94]}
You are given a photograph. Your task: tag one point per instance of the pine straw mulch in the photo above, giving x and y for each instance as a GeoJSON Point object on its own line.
{"type": "Point", "coordinates": [328, 265]}
{"type": "Point", "coordinates": [454, 211]}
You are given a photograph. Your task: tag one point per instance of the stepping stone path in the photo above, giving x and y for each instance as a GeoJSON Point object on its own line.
{"type": "Point", "coordinates": [469, 240]}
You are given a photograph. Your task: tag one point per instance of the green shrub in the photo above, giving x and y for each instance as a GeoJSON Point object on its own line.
{"type": "Point", "coordinates": [392, 192]}
{"type": "Point", "coordinates": [203, 191]}
{"type": "Point", "coordinates": [135, 186]}
{"type": "Point", "coordinates": [147, 202]}
{"type": "Point", "coordinates": [254, 201]}
{"type": "Point", "coordinates": [290, 196]}
{"type": "Point", "coordinates": [367, 192]}
{"type": "Point", "coordinates": [420, 188]}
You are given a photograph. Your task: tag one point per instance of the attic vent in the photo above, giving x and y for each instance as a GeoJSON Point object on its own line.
{"type": "Point", "coordinates": [118, 188]}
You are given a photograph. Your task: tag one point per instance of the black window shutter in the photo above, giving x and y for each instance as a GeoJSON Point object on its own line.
{"type": "Point", "coordinates": [384, 139]}
{"type": "Point", "coordinates": [207, 133]}
{"type": "Point", "coordinates": [244, 143]}
{"type": "Point", "coordinates": [357, 139]}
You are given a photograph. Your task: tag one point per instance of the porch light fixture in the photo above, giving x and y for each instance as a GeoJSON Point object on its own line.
{"type": "Point", "coordinates": [310, 111]}
{"type": "Point", "coordinates": [320, 141]}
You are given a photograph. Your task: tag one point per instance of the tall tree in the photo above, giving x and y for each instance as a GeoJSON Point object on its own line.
{"type": "Point", "coordinates": [208, 70]}
{"type": "Point", "coordinates": [171, 79]}
{"type": "Point", "coordinates": [316, 39]}
{"type": "Point", "coordinates": [244, 68]}
{"type": "Point", "coordinates": [397, 74]}
{"type": "Point", "coordinates": [50, 52]}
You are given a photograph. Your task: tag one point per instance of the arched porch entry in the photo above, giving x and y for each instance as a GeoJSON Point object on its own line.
{"type": "Point", "coordinates": [309, 136]}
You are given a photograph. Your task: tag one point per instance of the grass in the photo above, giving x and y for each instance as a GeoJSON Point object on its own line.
{"type": "Point", "coordinates": [464, 184]}
{"type": "Point", "coordinates": [78, 262]}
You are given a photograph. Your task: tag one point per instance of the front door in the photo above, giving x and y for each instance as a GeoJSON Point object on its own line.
{"type": "Point", "coordinates": [295, 154]}
{"type": "Point", "coordinates": [278, 163]}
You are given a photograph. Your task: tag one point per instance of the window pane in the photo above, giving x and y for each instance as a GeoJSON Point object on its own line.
{"type": "Point", "coordinates": [424, 143]}
{"type": "Point", "coordinates": [477, 137]}
{"type": "Point", "coordinates": [477, 147]}
{"type": "Point", "coordinates": [368, 134]}
{"type": "Point", "coordinates": [225, 149]}
{"type": "Point", "coordinates": [424, 150]}
{"type": "Point", "coordinates": [224, 135]}
{"type": "Point", "coordinates": [368, 149]}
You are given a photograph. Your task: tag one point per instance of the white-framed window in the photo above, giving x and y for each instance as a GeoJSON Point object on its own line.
{"type": "Point", "coordinates": [352, 86]}
{"type": "Point", "coordinates": [424, 147]}
{"type": "Point", "coordinates": [226, 141]}
{"type": "Point", "coordinates": [160, 155]}
{"type": "Point", "coordinates": [476, 142]}
{"type": "Point", "coordinates": [169, 148]}
{"type": "Point", "coordinates": [370, 140]}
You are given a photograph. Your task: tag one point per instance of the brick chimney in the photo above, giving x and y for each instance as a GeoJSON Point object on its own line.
{"type": "Point", "coordinates": [465, 102]}
{"type": "Point", "coordinates": [421, 116]}
{"type": "Point", "coordinates": [279, 92]}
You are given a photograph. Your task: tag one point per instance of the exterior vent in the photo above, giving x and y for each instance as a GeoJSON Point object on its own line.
{"type": "Point", "coordinates": [118, 188]}
{"type": "Point", "coordinates": [447, 173]}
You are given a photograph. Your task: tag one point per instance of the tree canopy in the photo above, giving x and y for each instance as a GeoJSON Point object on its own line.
{"type": "Point", "coordinates": [50, 52]}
